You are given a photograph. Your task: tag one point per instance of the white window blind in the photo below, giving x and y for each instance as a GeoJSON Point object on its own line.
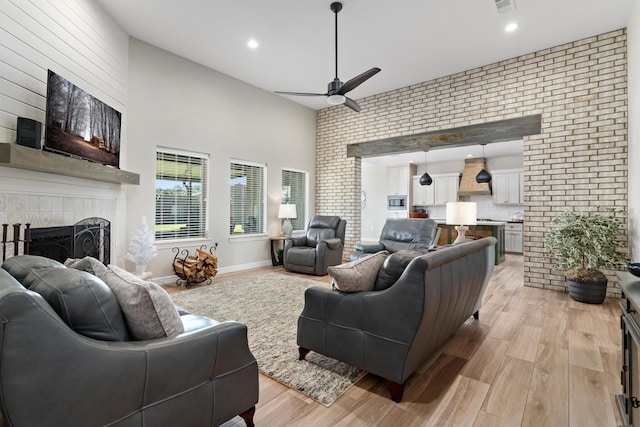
{"type": "Point", "coordinates": [248, 198]}
{"type": "Point", "coordinates": [181, 188]}
{"type": "Point", "coordinates": [294, 188]}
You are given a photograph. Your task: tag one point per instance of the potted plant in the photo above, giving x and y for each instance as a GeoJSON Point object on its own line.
{"type": "Point", "coordinates": [580, 244]}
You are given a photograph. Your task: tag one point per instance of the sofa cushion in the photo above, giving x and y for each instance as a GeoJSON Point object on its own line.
{"type": "Point", "coordinates": [393, 267]}
{"type": "Point", "coordinates": [82, 300]}
{"type": "Point", "coordinates": [359, 275]}
{"type": "Point", "coordinates": [20, 266]}
{"type": "Point", "coordinates": [147, 307]}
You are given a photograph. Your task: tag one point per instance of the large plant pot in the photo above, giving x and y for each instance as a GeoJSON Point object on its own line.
{"type": "Point", "coordinates": [589, 291]}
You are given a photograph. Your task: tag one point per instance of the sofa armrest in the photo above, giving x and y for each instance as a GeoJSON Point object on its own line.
{"type": "Point", "coordinates": [331, 244]}
{"type": "Point", "coordinates": [296, 241]}
{"type": "Point", "coordinates": [212, 351]}
{"type": "Point", "coordinates": [370, 248]}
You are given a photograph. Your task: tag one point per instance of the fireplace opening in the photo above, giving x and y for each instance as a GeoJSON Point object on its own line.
{"type": "Point", "coordinates": [88, 237]}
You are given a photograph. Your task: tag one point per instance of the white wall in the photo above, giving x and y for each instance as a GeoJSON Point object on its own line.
{"type": "Point", "coordinates": [633, 70]}
{"type": "Point", "coordinates": [374, 214]}
{"type": "Point", "coordinates": [176, 103]}
{"type": "Point", "coordinates": [77, 40]}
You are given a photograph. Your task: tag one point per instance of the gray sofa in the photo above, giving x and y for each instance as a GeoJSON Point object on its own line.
{"type": "Point", "coordinates": [66, 358]}
{"type": "Point", "coordinates": [402, 234]}
{"type": "Point", "coordinates": [392, 330]}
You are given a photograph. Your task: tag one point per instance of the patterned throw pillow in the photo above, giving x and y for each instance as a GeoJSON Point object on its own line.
{"type": "Point", "coordinates": [147, 308]}
{"type": "Point", "coordinates": [359, 275]}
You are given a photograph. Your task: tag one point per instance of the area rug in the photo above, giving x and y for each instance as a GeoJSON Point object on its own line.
{"type": "Point", "coordinates": [270, 305]}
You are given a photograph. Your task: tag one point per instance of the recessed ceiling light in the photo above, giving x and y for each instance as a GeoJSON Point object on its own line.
{"type": "Point", "coordinates": [469, 155]}
{"type": "Point", "coordinates": [252, 44]}
{"type": "Point", "coordinates": [511, 27]}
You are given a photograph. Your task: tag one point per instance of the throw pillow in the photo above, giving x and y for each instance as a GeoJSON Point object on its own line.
{"type": "Point", "coordinates": [147, 308]}
{"type": "Point", "coordinates": [359, 275]}
{"type": "Point", "coordinates": [20, 266]}
{"type": "Point", "coordinates": [88, 264]}
{"type": "Point", "coordinates": [82, 300]}
{"type": "Point", "coordinates": [393, 267]}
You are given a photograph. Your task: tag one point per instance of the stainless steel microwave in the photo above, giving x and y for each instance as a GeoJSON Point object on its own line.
{"type": "Point", "coordinates": [396, 202]}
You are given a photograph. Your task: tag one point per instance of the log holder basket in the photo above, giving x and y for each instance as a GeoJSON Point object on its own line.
{"type": "Point", "coordinates": [198, 267]}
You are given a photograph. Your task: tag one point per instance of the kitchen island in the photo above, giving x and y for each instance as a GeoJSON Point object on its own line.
{"type": "Point", "coordinates": [482, 229]}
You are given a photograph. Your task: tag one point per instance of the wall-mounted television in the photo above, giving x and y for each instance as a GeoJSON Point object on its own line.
{"type": "Point", "coordinates": [80, 125]}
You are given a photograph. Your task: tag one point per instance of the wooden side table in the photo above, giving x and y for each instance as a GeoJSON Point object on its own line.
{"type": "Point", "coordinates": [274, 260]}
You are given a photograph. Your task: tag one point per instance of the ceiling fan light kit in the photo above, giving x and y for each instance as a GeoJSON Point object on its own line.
{"type": "Point", "coordinates": [336, 89]}
{"type": "Point", "coordinates": [336, 99]}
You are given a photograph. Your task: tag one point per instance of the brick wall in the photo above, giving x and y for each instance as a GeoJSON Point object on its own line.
{"type": "Point", "coordinates": [578, 161]}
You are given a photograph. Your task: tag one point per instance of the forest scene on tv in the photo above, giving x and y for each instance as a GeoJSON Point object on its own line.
{"type": "Point", "coordinates": [79, 124]}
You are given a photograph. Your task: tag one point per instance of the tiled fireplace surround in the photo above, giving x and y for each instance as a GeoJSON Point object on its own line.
{"type": "Point", "coordinates": [24, 198]}
{"type": "Point", "coordinates": [578, 161]}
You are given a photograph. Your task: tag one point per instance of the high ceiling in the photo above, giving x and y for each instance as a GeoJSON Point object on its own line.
{"type": "Point", "coordinates": [411, 40]}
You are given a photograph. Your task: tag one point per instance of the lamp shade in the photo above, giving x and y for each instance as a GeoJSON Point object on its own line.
{"type": "Point", "coordinates": [287, 211]}
{"type": "Point", "coordinates": [461, 213]}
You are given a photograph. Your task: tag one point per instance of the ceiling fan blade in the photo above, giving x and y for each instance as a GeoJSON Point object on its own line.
{"type": "Point", "coordinates": [301, 93]}
{"type": "Point", "coordinates": [358, 80]}
{"type": "Point", "coordinates": [352, 104]}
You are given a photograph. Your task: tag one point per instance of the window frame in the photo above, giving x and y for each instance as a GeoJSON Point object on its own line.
{"type": "Point", "coordinates": [204, 220]}
{"type": "Point", "coordinates": [303, 220]}
{"type": "Point", "coordinates": [263, 229]}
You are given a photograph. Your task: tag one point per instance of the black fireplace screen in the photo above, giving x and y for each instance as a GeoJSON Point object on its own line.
{"type": "Point", "coordinates": [89, 237]}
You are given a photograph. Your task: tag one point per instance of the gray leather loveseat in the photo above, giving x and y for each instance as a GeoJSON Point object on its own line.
{"type": "Point", "coordinates": [67, 358]}
{"type": "Point", "coordinates": [392, 331]}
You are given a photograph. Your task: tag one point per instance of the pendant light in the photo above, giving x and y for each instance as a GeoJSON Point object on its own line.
{"type": "Point", "coordinates": [425, 179]}
{"type": "Point", "coordinates": [483, 176]}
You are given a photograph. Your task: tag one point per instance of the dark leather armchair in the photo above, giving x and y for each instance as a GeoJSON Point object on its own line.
{"type": "Point", "coordinates": [413, 234]}
{"type": "Point", "coordinates": [321, 246]}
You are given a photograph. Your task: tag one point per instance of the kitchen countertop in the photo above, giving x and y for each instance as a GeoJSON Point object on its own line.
{"type": "Point", "coordinates": [489, 223]}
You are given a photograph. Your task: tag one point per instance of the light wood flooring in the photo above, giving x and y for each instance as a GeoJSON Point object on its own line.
{"type": "Point", "coordinates": [534, 358]}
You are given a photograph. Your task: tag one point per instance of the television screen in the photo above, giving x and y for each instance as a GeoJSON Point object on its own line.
{"type": "Point", "coordinates": [79, 124]}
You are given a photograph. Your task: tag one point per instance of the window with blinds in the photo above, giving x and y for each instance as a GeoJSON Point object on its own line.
{"type": "Point", "coordinates": [248, 198]}
{"type": "Point", "coordinates": [294, 191]}
{"type": "Point", "coordinates": [181, 189]}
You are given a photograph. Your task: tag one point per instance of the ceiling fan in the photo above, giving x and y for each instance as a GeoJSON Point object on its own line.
{"type": "Point", "coordinates": [336, 89]}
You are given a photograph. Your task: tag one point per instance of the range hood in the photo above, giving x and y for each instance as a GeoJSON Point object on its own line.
{"type": "Point", "coordinates": [468, 184]}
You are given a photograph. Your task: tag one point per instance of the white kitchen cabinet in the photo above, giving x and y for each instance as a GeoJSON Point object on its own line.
{"type": "Point", "coordinates": [507, 187]}
{"type": "Point", "coordinates": [513, 238]}
{"type": "Point", "coordinates": [423, 195]}
{"type": "Point", "coordinates": [399, 180]}
{"type": "Point", "coordinates": [445, 188]}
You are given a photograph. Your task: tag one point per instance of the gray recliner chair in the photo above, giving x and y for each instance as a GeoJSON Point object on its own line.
{"type": "Point", "coordinates": [322, 246]}
{"type": "Point", "coordinates": [413, 234]}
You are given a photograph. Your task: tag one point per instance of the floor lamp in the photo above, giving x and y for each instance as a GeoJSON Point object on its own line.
{"type": "Point", "coordinates": [461, 214]}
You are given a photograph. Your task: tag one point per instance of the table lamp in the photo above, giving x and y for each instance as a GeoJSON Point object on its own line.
{"type": "Point", "coordinates": [461, 214]}
{"type": "Point", "coordinates": [287, 212]}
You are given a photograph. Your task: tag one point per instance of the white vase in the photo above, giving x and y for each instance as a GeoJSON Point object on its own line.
{"type": "Point", "coordinates": [140, 268]}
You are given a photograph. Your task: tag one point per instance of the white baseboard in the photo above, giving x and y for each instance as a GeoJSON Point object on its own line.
{"type": "Point", "coordinates": [168, 280]}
